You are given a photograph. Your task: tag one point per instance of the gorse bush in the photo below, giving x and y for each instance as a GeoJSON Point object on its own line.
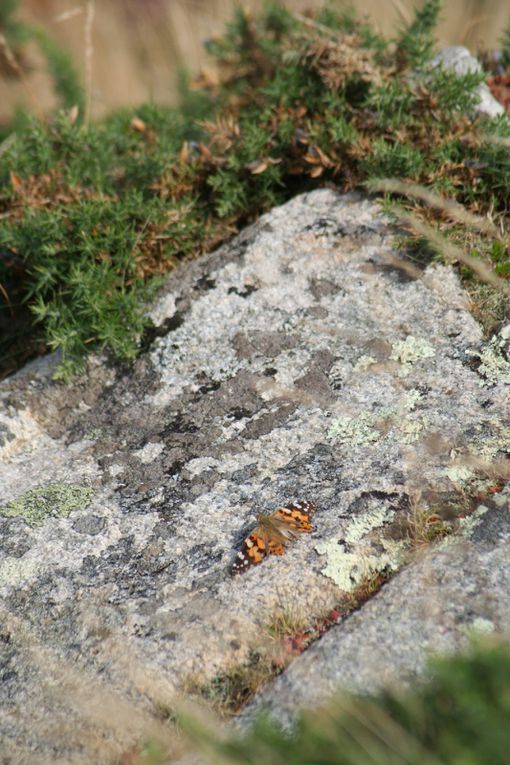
{"type": "Point", "coordinates": [93, 216]}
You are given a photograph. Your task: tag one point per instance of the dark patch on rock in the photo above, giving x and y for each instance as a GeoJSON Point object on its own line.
{"type": "Point", "coordinates": [395, 271]}
{"type": "Point", "coordinates": [14, 539]}
{"type": "Point", "coordinates": [245, 292]}
{"type": "Point", "coordinates": [322, 226]}
{"type": "Point", "coordinates": [179, 424]}
{"type": "Point", "coordinates": [5, 435]}
{"type": "Point", "coordinates": [269, 344]}
{"type": "Point", "coordinates": [315, 379]}
{"type": "Point", "coordinates": [245, 474]}
{"type": "Point", "coordinates": [267, 422]}
{"type": "Point", "coordinates": [494, 526]}
{"type": "Point", "coordinates": [238, 413]}
{"type": "Point", "coordinates": [367, 499]}
{"type": "Point", "coordinates": [378, 348]}
{"type": "Point", "coordinates": [135, 573]}
{"type": "Point", "coordinates": [209, 387]}
{"type": "Point", "coordinates": [205, 283]}
{"type": "Point", "coordinates": [471, 358]}
{"type": "Point", "coordinates": [152, 332]}
{"type": "Point", "coordinates": [270, 372]}
{"type": "Point", "coordinates": [323, 287]}
{"type": "Point", "coordinates": [200, 558]}
{"type": "Point", "coordinates": [89, 524]}
{"type": "Point", "coordinates": [357, 230]}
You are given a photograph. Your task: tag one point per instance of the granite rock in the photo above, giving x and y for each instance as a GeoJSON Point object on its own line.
{"type": "Point", "coordinates": [304, 360]}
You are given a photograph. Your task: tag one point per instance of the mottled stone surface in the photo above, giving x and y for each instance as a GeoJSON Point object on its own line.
{"type": "Point", "coordinates": [304, 360]}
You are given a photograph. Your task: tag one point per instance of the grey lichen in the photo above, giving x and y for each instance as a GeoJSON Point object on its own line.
{"type": "Point", "coordinates": [55, 500]}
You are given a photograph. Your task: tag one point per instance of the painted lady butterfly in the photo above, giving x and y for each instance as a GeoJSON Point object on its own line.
{"type": "Point", "coordinates": [272, 533]}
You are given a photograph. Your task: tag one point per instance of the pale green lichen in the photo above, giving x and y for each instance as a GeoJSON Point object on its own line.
{"type": "Point", "coordinates": [494, 366]}
{"type": "Point", "coordinates": [408, 402]}
{"type": "Point", "coordinates": [480, 627]}
{"type": "Point", "coordinates": [358, 431]}
{"type": "Point", "coordinates": [55, 500]}
{"type": "Point", "coordinates": [458, 473]}
{"type": "Point", "coordinates": [95, 434]}
{"type": "Point", "coordinates": [367, 428]}
{"type": "Point", "coordinates": [364, 363]}
{"type": "Point", "coordinates": [361, 525]}
{"type": "Point", "coordinates": [496, 442]}
{"type": "Point", "coordinates": [412, 429]}
{"type": "Point", "coordinates": [407, 352]}
{"type": "Point", "coordinates": [468, 524]}
{"type": "Point", "coordinates": [349, 569]}
{"type": "Point", "coordinates": [15, 571]}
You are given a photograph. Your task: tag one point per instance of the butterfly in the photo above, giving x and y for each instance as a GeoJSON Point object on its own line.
{"type": "Point", "coordinates": [272, 533]}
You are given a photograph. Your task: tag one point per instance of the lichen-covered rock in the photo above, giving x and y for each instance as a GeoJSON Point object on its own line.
{"type": "Point", "coordinates": [304, 360]}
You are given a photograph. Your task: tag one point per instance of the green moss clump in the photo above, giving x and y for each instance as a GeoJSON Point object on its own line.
{"type": "Point", "coordinates": [55, 500]}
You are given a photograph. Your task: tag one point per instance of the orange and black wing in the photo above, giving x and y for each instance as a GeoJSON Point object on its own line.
{"type": "Point", "coordinates": [298, 515]}
{"type": "Point", "coordinates": [253, 551]}
{"type": "Point", "coordinates": [273, 533]}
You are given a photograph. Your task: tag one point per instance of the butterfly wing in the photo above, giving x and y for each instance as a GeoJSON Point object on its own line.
{"type": "Point", "coordinates": [253, 551]}
{"type": "Point", "coordinates": [298, 515]}
{"type": "Point", "coordinates": [272, 533]}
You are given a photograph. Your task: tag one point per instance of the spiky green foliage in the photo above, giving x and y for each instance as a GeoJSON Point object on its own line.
{"type": "Point", "coordinates": [416, 42]}
{"type": "Point", "coordinates": [505, 46]}
{"type": "Point", "coordinates": [459, 716]}
{"type": "Point", "coordinates": [92, 216]}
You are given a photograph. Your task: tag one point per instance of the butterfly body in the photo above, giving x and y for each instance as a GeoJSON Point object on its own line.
{"type": "Point", "coordinates": [272, 533]}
